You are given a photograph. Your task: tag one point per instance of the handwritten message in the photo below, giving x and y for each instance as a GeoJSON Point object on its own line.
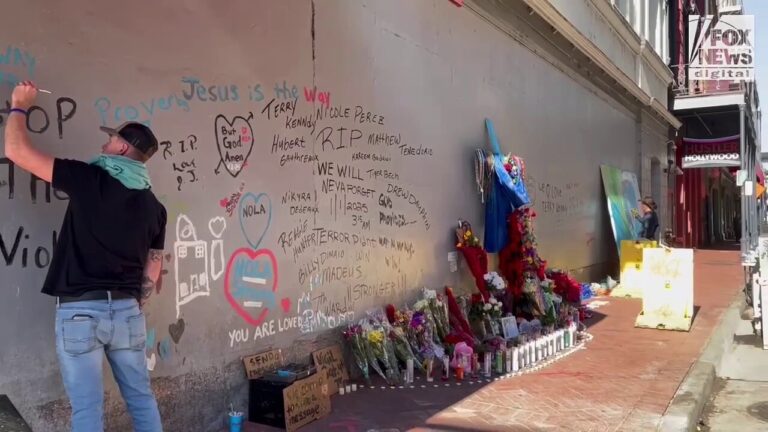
{"type": "Point", "coordinates": [305, 401]}
{"type": "Point", "coordinates": [257, 364]}
{"type": "Point", "coordinates": [331, 360]}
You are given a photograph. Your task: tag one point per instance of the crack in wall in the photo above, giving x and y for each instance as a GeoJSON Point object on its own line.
{"type": "Point", "coordinates": [312, 33]}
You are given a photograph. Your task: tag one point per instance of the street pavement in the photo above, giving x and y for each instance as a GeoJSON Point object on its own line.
{"type": "Point", "coordinates": [623, 379]}
{"type": "Point", "coordinates": [740, 400]}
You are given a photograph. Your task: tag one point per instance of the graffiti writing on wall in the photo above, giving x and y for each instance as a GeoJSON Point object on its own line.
{"type": "Point", "coordinates": [38, 118]}
{"type": "Point", "coordinates": [255, 213]}
{"type": "Point", "coordinates": [16, 249]}
{"type": "Point", "coordinates": [251, 284]}
{"type": "Point", "coordinates": [34, 182]}
{"type": "Point", "coordinates": [234, 139]}
{"type": "Point", "coordinates": [192, 269]}
{"type": "Point", "coordinates": [231, 202]}
{"type": "Point", "coordinates": [183, 161]}
{"type": "Point", "coordinates": [12, 59]}
{"type": "Point", "coordinates": [143, 111]}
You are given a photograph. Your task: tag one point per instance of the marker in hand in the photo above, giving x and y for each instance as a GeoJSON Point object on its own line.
{"type": "Point", "coordinates": [39, 90]}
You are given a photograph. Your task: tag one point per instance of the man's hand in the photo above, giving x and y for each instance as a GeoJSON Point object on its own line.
{"type": "Point", "coordinates": [24, 95]}
{"type": "Point", "coordinates": [18, 146]}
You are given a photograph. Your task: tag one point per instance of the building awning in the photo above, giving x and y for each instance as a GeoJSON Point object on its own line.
{"type": "Point", "coordinates": [711, 153]}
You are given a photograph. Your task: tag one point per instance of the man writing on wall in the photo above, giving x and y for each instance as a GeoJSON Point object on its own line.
{"type": "Point", "coordinates": [108, 257]}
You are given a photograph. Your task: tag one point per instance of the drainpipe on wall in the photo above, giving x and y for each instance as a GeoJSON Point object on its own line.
{"type": "Point", "coordinates": [744, 209]}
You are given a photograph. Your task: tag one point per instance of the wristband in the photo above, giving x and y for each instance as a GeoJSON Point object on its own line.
{"type": "Point", "coordinates": [18, 110]}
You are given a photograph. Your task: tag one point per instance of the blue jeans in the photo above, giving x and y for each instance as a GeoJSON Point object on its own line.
{"type": "Point", "coordinates": [85, 331]}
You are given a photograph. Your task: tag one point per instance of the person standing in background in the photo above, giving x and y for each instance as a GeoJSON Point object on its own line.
{"type": "Point", "coordinates": [649, 219]}
{"type": "Point", "coordinates": [106, 262]}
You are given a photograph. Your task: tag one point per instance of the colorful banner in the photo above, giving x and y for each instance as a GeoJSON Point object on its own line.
{"type": "Point", "coordinates": [709, 153]}
{"type": "Point", "coordinates": [622, 195]}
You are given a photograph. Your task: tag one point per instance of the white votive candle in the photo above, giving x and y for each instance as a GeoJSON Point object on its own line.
{"type": "Point", "coordinates": [515, 360]}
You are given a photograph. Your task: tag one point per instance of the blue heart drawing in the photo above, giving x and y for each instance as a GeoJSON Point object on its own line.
{"type": "Point", "coordinates": [254, 208]}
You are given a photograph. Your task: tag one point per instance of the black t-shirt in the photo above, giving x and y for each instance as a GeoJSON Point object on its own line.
{"type": "Point", "coordinates": [106, 235]}
{"type": "Point", "coordinates": [650, 223]}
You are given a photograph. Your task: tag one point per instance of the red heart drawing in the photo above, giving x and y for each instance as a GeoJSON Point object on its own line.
{"type": "Point", "coordinates": [286, 304]}
{"type": "Point", "coordinates": [244, 257]}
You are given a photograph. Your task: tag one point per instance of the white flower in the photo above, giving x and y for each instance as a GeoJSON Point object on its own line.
{"type": "Point", "coordinates": [497, 307]}
{"type": "Point", "coordinates": [487, 306]}
{"type": "Point", "coordinates": [493, 300]}
{"type": "Point", "coordinates": [420, 305]}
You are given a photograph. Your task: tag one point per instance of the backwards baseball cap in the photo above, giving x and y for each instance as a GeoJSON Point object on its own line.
{"type": "Point", "coordinates": [649, 202]}
{"type": "Point", "coordinates": [137, 135]}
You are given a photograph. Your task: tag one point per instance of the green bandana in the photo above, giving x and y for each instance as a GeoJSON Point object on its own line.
{"type": "Point", "coordinates": [132, 174]}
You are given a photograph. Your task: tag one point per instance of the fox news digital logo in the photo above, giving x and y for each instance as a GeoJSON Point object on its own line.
{"type": "Point", "coordinates": [721, 48]}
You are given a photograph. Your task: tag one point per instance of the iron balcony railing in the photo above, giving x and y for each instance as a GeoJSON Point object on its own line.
{"type": "Point", "coordinates": [730, 6]}
{"type": "Point", "coordinates": [708, 88]}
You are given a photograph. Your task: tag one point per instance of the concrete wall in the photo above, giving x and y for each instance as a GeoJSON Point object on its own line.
{"type": "Point", "coordinates": [585, 16]}
{"type": "Point", "coordinates": [428, 73]}
{"type": "Point", "coordinates": [650, 19]}
{"type": "Point", "coordinates": [630, 35]}
{"type": "Point", "coordinates": [654, 147]}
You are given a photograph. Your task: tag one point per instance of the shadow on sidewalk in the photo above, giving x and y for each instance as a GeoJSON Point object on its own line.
{"type": "Point", "coordinates": [747, 340]}
{"type": "Point", "coordinates": [400, 408]}
{"type": "Point", "coordinates": [723, 246]}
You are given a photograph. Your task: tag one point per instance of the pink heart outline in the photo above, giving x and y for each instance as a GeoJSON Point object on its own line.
{"type": "Point", "coordinates": [252, 255]}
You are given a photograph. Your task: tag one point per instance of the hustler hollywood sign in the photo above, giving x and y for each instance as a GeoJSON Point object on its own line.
{"type": "Point", "coordinates": [708, 153]}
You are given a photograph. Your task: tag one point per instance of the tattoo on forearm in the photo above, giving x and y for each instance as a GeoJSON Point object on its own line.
{"type": "Point", "coordinates": [147, 285]}
{"type": "Point", "coordinates": [155, 255]}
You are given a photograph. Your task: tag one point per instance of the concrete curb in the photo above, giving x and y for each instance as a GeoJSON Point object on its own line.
{"type": "Point", "coordinates": [684, 411]}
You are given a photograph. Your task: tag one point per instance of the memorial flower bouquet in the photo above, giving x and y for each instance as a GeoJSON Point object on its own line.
{"type": "Point", "coordinates": [381, 350]}
{"type": "Point", "coordinates": [494, 282]}
{"type": "Point", "coordinates": [422, 339]}
{"type": "Point", "coordinates": [403, 350]}
{"type": "Point", "coordinates": [435, 311]}
{"type": "Point", "coordinates": [485, 315]}
{"type": "Point", "coordinates": [356, 341]}
{"type": "Point", "coordinates": [439, 311]}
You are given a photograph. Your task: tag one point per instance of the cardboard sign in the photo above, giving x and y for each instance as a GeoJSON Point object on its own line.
{"type": "Point", "coordinates": [257, 364]}
{"type": "Point", "coordinates": [306, 400]}
{"type": "Point", "coordinates": [331, 360]}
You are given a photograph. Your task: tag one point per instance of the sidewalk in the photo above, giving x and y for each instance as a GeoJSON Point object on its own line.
{"type": "Point", "coordinates": [738, 401]}
{"type": "Point", "coordinates": [622, 381]}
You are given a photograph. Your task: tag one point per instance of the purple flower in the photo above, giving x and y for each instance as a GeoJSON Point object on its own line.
{"type": "Point", "coordinates": [418, 320]}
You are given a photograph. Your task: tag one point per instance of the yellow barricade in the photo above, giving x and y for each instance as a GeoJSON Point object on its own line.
{"type": "Point", "coordinates": [667, 289]}
{"type": "Point", "coordinates": [631, 265]}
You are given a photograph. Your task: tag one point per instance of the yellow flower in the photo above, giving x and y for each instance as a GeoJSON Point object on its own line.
{"type": "Point", "coordinates": [376, 336]}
